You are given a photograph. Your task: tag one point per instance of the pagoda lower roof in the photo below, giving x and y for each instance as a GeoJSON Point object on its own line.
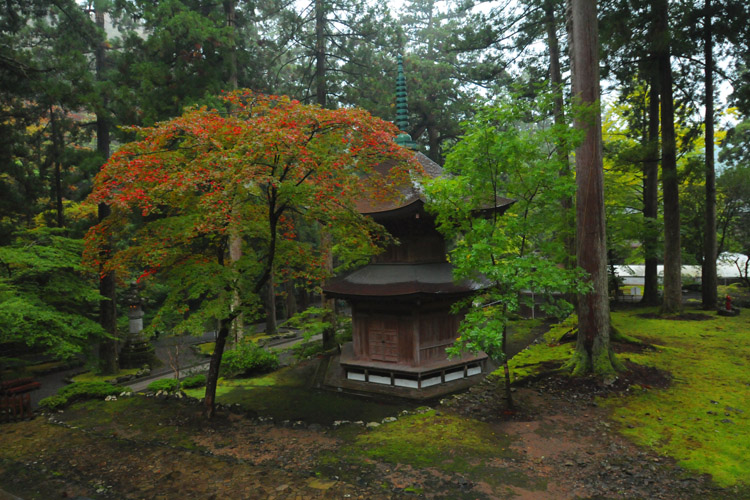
{"type": "Point", "coordinates": [399, 280]}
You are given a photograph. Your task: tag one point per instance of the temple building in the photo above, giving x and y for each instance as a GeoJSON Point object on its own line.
{"type": "Point", "coordinates": [401, 301]}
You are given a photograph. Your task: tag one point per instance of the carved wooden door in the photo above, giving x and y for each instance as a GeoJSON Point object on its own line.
{"type": "Point", "coordinates": [383, 345]}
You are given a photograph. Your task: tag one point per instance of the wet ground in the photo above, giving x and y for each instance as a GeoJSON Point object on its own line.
{"type": "Point", "coordinates": [556, 443]}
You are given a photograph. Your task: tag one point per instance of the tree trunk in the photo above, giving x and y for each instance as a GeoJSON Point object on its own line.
{"type": "Point", "coordinates": [506, 368]}
{"type": "Point", "coordinates": [235, 253]}
{"type": "Point", "coordinates": [107, 283]}
{"type": "Point", "coordinates": [708, 273]}
{"type": "Point", "coordinates": [209, 403]}
{"type": "Point", "coordinates": [651, 199]}
{"type": "Point", "coordinates": [235, 241]}
{"type": "Point", "coordinates": [57, 155]}
{"type": "Point", "coordinates": [556, 86]}
{"type": "Point", "coordinates": [329, 306]}
{"type": "Point", "coordinates": [433, 142]}
{"type": "Point", "coordinates": [229, 11]}
{"type": "Point", "coordinates": [291, 299]}
{"type": "Point", "coordinates": [593, 352]}
{"type": "Point", "coordinates": [672, 301]}
{"type": "Point", "coordinates": [271, 326]}
{"type": "Point", "coordinates": [320, 53]}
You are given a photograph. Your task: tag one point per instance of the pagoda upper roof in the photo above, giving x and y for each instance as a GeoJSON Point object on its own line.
{"type": "Point", "coordinates": [410, 192]}
{"type": "Point", "coordinates": [399, 280]}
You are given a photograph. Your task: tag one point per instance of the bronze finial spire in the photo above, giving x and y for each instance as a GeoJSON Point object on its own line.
{"type": "Point", "coordinates": [402, 110]}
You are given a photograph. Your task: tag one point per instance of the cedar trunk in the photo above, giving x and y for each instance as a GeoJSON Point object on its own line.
{"type": "Point", "coordinates": [708, 274]}
{"type": "Point", "coordinates": [672, 301]}
{"type": "Point", "coordinates": [229, 12]}
{"type": "Point", "coordinates": [651, 200]}
{"type": "Point", "coordinates": [235, 240]}
{"type": "Point", "coordinates": [107, 284]}
{"type": "Point", "coordinates": [320, 54]}
{"type": "Point", "coordinates": [593, 353]}
{"type": "Point", "coordinates": [556, 86]}
{"type": "Point", "coordinates": [57, 158]}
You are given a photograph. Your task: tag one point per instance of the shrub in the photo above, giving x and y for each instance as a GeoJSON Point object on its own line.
{"type": "Point", "coordinates": [195, 381]}
{"type": "Point", "coordinates": [247, 359]}
{"type": "Point", "coordinates": [53, 402]}
{"type": "Point", "coordinates": [78, 391]}
{"type": "Point", "coordinates": [165, 384]}
{"type": "Point", "coordinates": [305, 350]}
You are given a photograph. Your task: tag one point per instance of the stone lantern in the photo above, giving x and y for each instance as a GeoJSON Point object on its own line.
{"type": "Point", "coordinates": [137, 350]}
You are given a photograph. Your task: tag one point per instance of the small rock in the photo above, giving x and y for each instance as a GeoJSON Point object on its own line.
{"type": "Point", "coordinates": [372, 425]}
{"type": "Point", "coordinates": [388, 420]}
{"type": "Point", "coordinates": [727, 421]}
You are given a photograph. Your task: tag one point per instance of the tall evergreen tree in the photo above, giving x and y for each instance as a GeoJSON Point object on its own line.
{"type": "Point", "coordinates": [672, 300]}
{"type": "Point", "coordinates": [593, 352]}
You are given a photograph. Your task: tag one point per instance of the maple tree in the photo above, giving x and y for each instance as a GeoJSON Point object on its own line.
{"type": "Point", "coordinates": [259, 171]}
{"type": "Point", "coordinates": [505, 155]}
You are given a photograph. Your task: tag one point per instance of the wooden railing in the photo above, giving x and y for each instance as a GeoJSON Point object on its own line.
{"type": "Point", "coordinates": [15, 400]}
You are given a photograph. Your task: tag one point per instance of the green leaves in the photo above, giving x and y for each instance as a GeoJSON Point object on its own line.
{"type": "Point", "coordinates": [507, 151]}
{"type": "Point", "coordinates": [46, 300]}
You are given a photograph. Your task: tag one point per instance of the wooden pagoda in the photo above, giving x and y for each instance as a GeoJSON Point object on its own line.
{"type": "Point", "coordinates": [401, 301]}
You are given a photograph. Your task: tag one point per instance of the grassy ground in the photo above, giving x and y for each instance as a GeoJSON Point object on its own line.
{"type": "Point", "coordinates": [703, 418]}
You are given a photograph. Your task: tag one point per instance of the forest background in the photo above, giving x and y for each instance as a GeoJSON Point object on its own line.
{"type": "Point", "coordinates": [77, 75]}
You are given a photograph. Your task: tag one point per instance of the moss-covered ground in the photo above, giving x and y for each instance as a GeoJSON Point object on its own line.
{"type": "Point", "coordinates": [561, 441]}
{"type": "Point", "coordinates": [548, 353]}
{"type": "Point", "coordinates": [207, 348]}
{"type": "Point", "coordinates": [703, 418]}
{"type": "Point", "coordinates": [94, 377]}
{"type": "Point", "coordinates": [443, 444]}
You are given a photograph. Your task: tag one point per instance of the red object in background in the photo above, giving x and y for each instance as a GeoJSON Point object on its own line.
{"type": "Point", "coordinates": [729, 303]}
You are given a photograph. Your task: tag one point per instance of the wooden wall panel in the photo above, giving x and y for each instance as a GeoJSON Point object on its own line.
{"type": "Point", "coordinates": [437, 330]}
